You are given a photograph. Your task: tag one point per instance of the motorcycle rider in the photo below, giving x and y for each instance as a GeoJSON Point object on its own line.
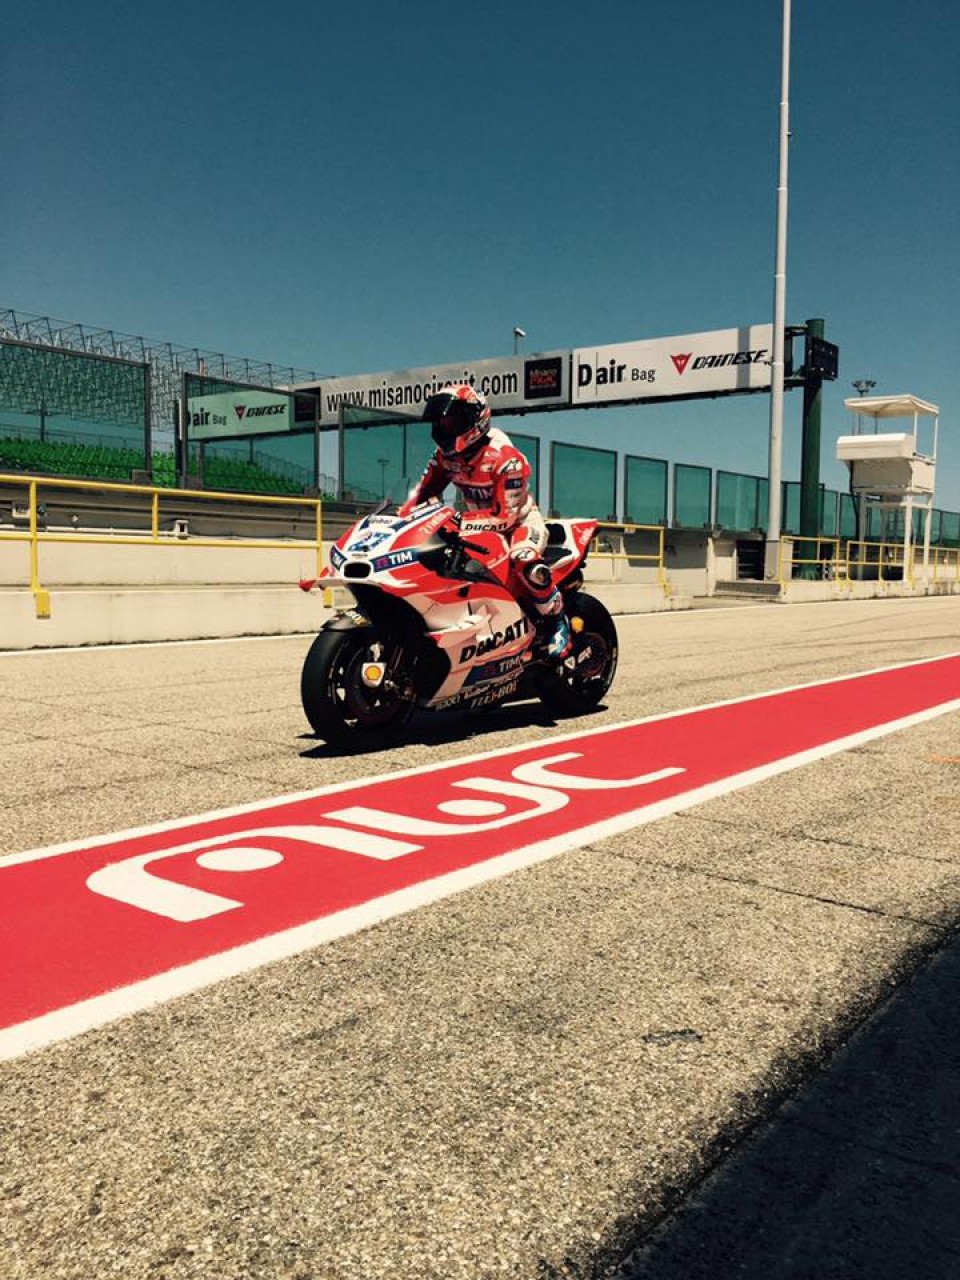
{"type": "Point", "coordinates": [494, 479]}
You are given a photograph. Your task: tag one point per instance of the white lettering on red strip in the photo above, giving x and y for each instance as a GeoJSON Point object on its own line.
{"type": "Point", "coordinates": [108, 926]}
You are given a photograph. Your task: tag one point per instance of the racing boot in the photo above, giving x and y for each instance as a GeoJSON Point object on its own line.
{"type": "Point", "coordinates": [553, 630]}
{"type": "Point", "coordinates": [560, 642]}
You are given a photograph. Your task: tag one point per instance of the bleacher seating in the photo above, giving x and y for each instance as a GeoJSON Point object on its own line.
{"type": "Point", "coordinates": [100, 460]}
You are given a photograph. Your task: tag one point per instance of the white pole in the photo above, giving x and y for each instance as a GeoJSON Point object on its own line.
{"type": "Point", "coordinates": [775, 466]}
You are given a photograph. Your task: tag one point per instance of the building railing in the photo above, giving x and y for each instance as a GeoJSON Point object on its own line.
{"type": "Point", "coordinates": [614, 542]}
{"type": "Point", "coordinates": [863, 556]}
{"type": "Point", "coordinates": [827, 562]}
{"type": "Point", "coordinates": [155, 536]}
{"type": "Point", "coordinates": [945, 563]}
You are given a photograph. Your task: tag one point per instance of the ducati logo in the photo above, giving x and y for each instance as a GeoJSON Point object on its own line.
{"type": "Point", "coordinates": [495, 641]}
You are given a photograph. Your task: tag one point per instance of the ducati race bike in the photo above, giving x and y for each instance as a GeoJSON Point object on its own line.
{"type": "Point", "coordinates": [437, 625]}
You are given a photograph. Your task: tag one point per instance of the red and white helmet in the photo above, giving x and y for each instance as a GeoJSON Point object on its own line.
{"type": "Point", "coordinates": [460, 419]}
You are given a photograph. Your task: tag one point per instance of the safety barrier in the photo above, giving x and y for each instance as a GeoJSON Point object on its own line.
{"type": "Point", "coordinates": [833, 560]}
{"type": "Point", "coordinates": [154, 537]}
{"type": "Point", "coordinates": [945, 564]}
{"type": "Point", "coordinates": [630, 555]}
{"type": "Point", "coordinates": [827, 564]}
{"type": "Point", "coordinates": [886, 558]}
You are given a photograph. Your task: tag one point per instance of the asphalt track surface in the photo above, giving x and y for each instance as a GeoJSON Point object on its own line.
{"type": "Point", "coordinates": [576, 1070]}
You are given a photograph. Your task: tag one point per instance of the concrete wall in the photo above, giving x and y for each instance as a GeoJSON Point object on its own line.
{"type": "Point", "coordinates": [169, 564]}
{"type": "Point", "coordinates": [103, 594]}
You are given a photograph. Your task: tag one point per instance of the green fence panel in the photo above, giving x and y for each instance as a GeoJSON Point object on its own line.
{"type": "Point", "coordinates": [790, 507]}
{"type": "Point", "coordinates": [691, 496]}
{"type": "Point", "coordinates": [530, 447]}
{"type": "Point", "coordinates": [848, 516]}
{"type": "Point", "coordinates": [645, 500]}
{"type": "Point", "coordinates": [583, 482]}
{"type": "Point", "coordinates": [373, 464]}
{"type": "Point", "coordinates": [738, 501]}
{"type": "Point", "coordinates": [829, 512]}
{"type": "Point", "coordinates": [950, 529]}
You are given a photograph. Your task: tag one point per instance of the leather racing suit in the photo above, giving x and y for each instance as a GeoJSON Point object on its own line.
{"type": "Point", "coordinates": [495, 483]}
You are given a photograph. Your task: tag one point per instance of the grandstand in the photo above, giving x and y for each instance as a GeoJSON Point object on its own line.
{"type": "Point", "coordinates": [99, 458]}
{"type": "Point", "coordinates": [118, 395]}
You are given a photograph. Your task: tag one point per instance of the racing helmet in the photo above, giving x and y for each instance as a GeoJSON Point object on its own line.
{"type": "Point", "coordinates": [459, 418]}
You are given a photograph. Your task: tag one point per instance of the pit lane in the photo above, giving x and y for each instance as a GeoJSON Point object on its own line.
{"type": "Point", "coordinates": [518, 1080]}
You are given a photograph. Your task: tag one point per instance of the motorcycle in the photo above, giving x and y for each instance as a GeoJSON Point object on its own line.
{"type": "Point", "coordinates": [438, 625]}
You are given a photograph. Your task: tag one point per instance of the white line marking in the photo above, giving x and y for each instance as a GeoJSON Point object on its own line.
{"type": "Point", "coordinates": [122, 647]}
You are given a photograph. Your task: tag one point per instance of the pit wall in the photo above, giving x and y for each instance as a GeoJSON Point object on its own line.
{"type": "Point", "coordinates": [100, 594]}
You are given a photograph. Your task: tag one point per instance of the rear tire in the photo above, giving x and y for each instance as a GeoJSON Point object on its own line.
{"type": "Point", "coordinates": [578, 684]}
{"type": "Point", "coordinates": [341, 707]}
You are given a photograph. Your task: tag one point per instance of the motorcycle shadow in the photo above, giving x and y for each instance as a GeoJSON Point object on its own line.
{"type": "Point", "coordinates": [431, 730]}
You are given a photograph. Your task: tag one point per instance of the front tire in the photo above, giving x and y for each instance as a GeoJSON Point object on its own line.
{"type": "Point", "coordinates": [577, 685]}
{"type": "Point", "coordinates": [345, 710]}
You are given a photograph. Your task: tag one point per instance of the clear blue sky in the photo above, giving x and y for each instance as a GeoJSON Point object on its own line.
{"type": "Point", "coordinates": [372, 186]}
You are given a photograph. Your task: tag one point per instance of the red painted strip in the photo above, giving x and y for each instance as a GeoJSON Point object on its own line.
{"type": "Point", "coordinates": [61, 942]}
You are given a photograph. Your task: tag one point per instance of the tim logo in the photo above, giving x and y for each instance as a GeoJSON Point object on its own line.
{"type": "Point", "coordinates": [680, 362]}
{"type": "Point", "coordinates": [543, 379]}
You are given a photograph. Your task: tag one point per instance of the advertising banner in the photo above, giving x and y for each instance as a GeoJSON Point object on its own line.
{"type": "Point", "coordinates": [242, 411]}
{"type": "Point", "coordinates": [716, 363]}
{"type": "Point", "coordinates": [512, 383]}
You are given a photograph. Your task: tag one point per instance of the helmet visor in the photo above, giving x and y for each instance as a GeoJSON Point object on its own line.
{"type": "Point", "coordinates": [456, 414]}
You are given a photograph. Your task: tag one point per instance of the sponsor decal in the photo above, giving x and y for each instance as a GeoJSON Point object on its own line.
{"type": "Point", "coordinates": [725, 361]}
{"type": "Point", "coordinates": [394, 560]}
{"type": "Point", "coordinates": [493, 670]}
{"type": "Point", "coordinates": [368, 540]}
{"type": "Point", "coordinates": [479, 697]}
{"type": "Point", "coordinates": [259, 410]}
{"type": "Point", "coordinates": [97, 929]}
{"type": "Point", "coordinates": [543, 378]}
{"type": "Point", "coordinates": [498, 640]}
{"type": "Point", "coordinates": [479, 493]}
{"type": "Point", "coordinates": [721, 359]}
{"type": "Point", "coordinates": [337, 557]}
{"type": "Point", "coordinates": [506, 383]}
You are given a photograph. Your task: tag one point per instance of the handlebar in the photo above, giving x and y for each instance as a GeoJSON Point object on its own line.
{"type": "Point", "coordinates": [452, 538]}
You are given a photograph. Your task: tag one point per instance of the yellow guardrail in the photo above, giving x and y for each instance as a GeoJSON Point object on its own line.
{"type": "Point", "coordinates": [155, 537]}
{"type": "Point", "coordinates": [655, 559]}
{"type": "Point", "coordinates": [837, 561]}
{"type": "Point", "coordinates": [830, 564]}
{"type": "Point", "coordinates": [866, 554]}
{"type": "Point", "coordinates": [948, 560]}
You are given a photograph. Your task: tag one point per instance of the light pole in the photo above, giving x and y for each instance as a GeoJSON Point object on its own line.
{"type": "Point", "coordinates": [775, 465]}
{"type": "Point", "coordinates": [862, 386]}
{"type": "Point", "coordinates": [382, 463]}
{"type": "Point", "coordinates": [518, 333]}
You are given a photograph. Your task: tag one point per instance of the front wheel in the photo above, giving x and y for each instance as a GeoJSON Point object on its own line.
{"type": "Point", "coordinates": [576, 685]}
{"type": "Point", "coordinates": [355, 689]}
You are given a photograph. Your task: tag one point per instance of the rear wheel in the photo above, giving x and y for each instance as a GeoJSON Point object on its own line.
{"type": "Point", "coordinates": [578, 684]}
{"type": "Point", "coordinates": [355, 689]}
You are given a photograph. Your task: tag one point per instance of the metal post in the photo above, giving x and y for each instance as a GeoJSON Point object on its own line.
{"type": "Point", "coordinates": [810, 453]}
{"type": "Point", "coordinates": [147, 421]}
{"type": "Point", "coordinates": [775, 465]}
{"type": "Point", "coordinates": [183, 432]}
{"type": "Point", "coordinates": [340, 452]}
{"type": "Point", "coordinates": [316, 446]}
